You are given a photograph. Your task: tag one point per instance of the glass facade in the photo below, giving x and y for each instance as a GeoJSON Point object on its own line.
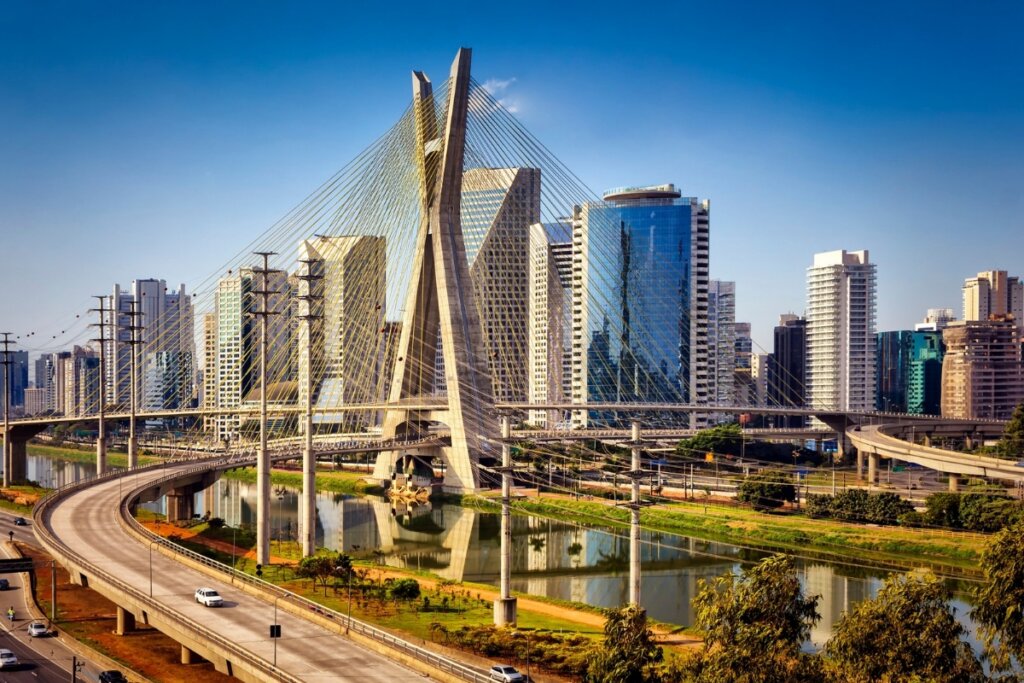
{"type": "Point", "coordinates": [909, 372]}
{"type": "Point", "coordinates": [633, 301]}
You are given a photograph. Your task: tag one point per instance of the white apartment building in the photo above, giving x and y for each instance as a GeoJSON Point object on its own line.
{"type": "Point", "coordinates": [721, 343]}
{"type": "Point", "coordinates": [841, 352]}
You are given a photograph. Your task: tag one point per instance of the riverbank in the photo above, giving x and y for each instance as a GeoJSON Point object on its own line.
{"type": "Point", "coordinates": [115, 458]}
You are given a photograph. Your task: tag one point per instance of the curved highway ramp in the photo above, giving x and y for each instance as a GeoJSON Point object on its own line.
{"type": "Point", "coordinates": [88, 529]}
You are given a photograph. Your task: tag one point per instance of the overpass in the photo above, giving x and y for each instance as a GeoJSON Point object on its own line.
{"type": "Point", "coordinates": [890, 441]}
{"type": "Point", "coordinates": [89, 529]}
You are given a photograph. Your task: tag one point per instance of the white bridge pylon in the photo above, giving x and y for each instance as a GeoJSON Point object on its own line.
{"type": "Point", "coordinates": [440, 303]}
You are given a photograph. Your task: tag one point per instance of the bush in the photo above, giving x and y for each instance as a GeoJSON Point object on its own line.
{"type": "Point", "coordinates": [912, 518]}
{"type": "Point", "coordinates": [943, 509]}
{"type": "Point", "coordinates": [987, 512]}
{"type": "Point", "coordinates": [851, 505]}
{"type": "Point", "coordinates": [405, 589]}
{"type": "Point", "coordinates": [215, 523]}
{"type": "Point", "coordinates": [886, 508]}
{"type": "Point", "coordinates": [818, 505]}
{"type": "Point", "coordinates": [767, 489]}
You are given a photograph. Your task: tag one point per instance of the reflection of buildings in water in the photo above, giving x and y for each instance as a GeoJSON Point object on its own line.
{"type": "Point", "coordinates": [837, 595]}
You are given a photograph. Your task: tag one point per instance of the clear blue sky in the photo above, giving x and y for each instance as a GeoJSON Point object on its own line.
{"type": "Point", "coordinates": [155, 139]}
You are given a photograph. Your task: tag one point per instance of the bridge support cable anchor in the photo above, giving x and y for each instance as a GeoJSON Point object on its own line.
{"type": "Point", "coordinates": [263, 457]}
{"type": "Point", "coordinates": [307, 506]}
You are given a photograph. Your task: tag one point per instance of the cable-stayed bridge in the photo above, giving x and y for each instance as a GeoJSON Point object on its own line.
{"type": "Point", "coordinates": [453, 278]}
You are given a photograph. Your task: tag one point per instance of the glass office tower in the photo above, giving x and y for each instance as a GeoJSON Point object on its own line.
{"type": "Point", "coordinates": [640, 302]}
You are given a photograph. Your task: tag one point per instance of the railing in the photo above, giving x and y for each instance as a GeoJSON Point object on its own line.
{"type": "Point", "coordinates": [132, 526]}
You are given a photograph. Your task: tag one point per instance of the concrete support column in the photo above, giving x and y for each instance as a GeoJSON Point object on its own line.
{"type": "Point", "coordinates": [125, 621]}
{"type": "Point", "coordinates": [873, 468]}
{"type": "Point", "coordinates": [18, 460]}
{"type": "Point", "coordinates": [968, 442]}
{"type": "Point", "coordinates": [634, 519]}
{"type": "Point", "coordinates": [8, 480]}
{"type": "Point", "coordinates": [926, 440]}
{"type": "Point", "coordinates": [505, 607]}
{"type": "Point", "coordinates": [188, 656]}
{"type": "Point", "coordinates": [133, 452]}
{"type": "Point", "coordinates": [954, 483]}
{"type": "Point", "coordinates": [307, 504]}
{"type": "Point", "coordinates": [101, 451]}
{"type": "Point", "coordinates": [860, 465]}
{"type": "Point", "coordinates": [180, 505]}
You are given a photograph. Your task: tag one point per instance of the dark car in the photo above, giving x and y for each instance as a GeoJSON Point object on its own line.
{"type": "Point", "coordinates": [112, 676]}
{"type": "Point", "coordinates": [4, 584]}
{"type": "Point", "coordinates": [20, 521]}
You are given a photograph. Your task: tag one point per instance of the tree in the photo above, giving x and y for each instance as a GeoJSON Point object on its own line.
{"type": "Point", "coordinates": [943, 510]}
{"type": "Point", "coordinates": [754, 626]}
{"type": "Point", "coordinates": [721, 439]}
{"type": "Point", "coordinates": [908, 633]}
{"type": "Point", "coordinates": [767, 489]}
{"type": "Point", "coordinates": [886, 508]}
{"type": "Point", "coordinates": [1012, 443]}
{"type": "Point", "coordinates": [324, 567]}
{"type": "Point", "coordinates": [405, 589]}
{"type": "Point", "coordinates": [629, 654]}
{"type": "Point", "coordinates": [999, 601]}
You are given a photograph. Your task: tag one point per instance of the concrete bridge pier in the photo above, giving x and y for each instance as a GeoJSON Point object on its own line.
{"type": "Point", "coordinates": [19, 459]}
{"type": "Point", "coordinates": [189, 657]}
{"type": "Point", "coordinates": [181, 504]}
{"type": "Point", "coordinates": [873, 461]}
{"type": "Point", "coordinates": [954, 483]}
{"type": "Point", "coordinates": [125, 621]}
{"type": "Point", "coordinates": [860, 465]}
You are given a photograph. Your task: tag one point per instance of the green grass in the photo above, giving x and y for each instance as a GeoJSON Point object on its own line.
{"type": "Point", "coordinates": [329, 481]}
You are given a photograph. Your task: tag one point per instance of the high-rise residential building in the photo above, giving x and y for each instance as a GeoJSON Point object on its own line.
{"type": "Point", "coordinates": [165, 372]}
{"type": "Point", "coordinates": [35, 401]}
{"type": "Point", "coordinates": [347, 334]}
{"type": "Point", "coordinates": [77, 382]}
{"type": "Point", "coordinates": [787, 368]}
{"type": "Point", "coordinates": [236, 364]}
{"type": "Point", "coordinates": [759, 377]}
{"type": "Point", "coordinates": [721, 343]}
{"type": "Point", "coordinates": [208, 398]}
{"type": "Point", "coordinates": [841, 331]}
{"type": "Point", "coordinates": [982, 371]}
{"type": "Point", "coordinates": [640, 301]}
{"type": "Point", "coordinates": [744, 345]}
{"type": "Point", "coordinates": [44, 379]}
{"type": "Point", "coordinates": [550, 320]}
{"type": "Point", "coordinates": [58, 404]}
{"type": "Point", "coordinates": [935, 320]}
{"type": "Point", "coordinates": [992, 293]}
{"type": "Point", "coordinates": [19, 378]}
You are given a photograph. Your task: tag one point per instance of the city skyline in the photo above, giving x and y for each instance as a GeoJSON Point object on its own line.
{"type": "Point", "coordinates": [209, 143]}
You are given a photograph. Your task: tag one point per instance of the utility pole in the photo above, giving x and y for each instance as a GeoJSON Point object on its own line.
{"type": "Point", "coordinates": [307, 508]}
{"type": "Point", "coordinates": [636, 473]}
{"type": "Point", "coordinates": [505, 610]}
{"type": "Point", "coordinates": [101, 435]}
{"type": "Point", "coordinates": [8, 450]}
{"type": "Point", "coordinates": [263, 457]}
{"type": "Point", "coordinates": [133, 439]}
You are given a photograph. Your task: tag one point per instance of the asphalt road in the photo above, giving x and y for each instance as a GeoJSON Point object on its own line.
{"type": "Point", "coordinates": [87, 522]}
{"type": "Point", "coordinates": [39, 659]}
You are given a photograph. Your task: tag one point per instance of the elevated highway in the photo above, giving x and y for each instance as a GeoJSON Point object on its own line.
{"type": "Point", "coordinates": [890, 441]}
{"type": "Point", "coordinates": [88, 528]}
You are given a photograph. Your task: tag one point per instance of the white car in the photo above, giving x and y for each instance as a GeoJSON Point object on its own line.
{"type": "Point", "coordinates": [7, 659]}
{"type": "Point", "coordinates": [37, 629]}
{"type": "Point", "coordinates": [506, 674]}
{"type": "Point", "coordinates": [209, 597]}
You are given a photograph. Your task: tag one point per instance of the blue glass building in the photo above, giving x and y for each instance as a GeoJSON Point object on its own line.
{"type": "Point", "coordinates": [909, 372]}
{"type": "Point", "coordinates": [640, 283]}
